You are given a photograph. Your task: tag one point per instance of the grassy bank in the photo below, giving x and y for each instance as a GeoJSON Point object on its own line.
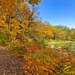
{"type": "Point", "coordinates": [51, 41]}
{"type": "Point", "coordinates": [57, 42]}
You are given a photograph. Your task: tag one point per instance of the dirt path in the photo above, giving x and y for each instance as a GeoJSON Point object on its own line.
{"type": "Point", "coordinates": [8, 64]}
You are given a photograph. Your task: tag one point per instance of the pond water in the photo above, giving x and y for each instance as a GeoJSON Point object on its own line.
{"type": "Point", "coordinates": [68, 46]}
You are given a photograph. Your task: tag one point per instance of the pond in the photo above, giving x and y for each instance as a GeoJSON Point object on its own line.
{"type": "Point", "coordinates": [69, 46]}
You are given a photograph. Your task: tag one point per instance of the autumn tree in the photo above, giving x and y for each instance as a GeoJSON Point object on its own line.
{"type": "Point", "coordinates": [73, 33]}
{"type": "Point", "coordinates": [65, 29]}
{"type": "Point", "coordinates": [54, 31]}
{"type": "Point", "coordinates": [61, 35]}
{"type": "Point", "coordinates": [7, 7]}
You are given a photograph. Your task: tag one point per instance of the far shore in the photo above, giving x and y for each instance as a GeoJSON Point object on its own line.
{"type": "Point", "coordinates": [52, 42]}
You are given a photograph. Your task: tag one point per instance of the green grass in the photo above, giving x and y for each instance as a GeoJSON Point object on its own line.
{"type": "Point", "coordinates": [57, 43]}
{"type": "Point", "coordinates": [51, 41]}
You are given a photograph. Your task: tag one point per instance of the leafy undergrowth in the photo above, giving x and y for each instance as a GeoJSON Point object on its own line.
{"type": "Point", "coordinates": [40, 60]}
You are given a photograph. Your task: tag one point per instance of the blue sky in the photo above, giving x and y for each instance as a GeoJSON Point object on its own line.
{"type": "Point", "coordinates": [57, 12]}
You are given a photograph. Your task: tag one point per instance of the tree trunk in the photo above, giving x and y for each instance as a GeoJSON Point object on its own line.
{"type": "Point", "coordinates": [9, 22]}
{"type": "Point", "coordinates": [9, 28]}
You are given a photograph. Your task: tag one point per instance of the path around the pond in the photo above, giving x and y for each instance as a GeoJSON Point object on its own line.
{"type": "Point", "coordinates": [9, 65]}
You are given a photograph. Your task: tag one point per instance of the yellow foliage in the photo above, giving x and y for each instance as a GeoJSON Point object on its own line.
{"type": "Point", "coordinates": [67, 67]}
{"type": "Point", "coordinates": [45, 69]}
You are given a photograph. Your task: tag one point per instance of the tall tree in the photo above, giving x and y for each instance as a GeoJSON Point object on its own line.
{"type": "Point", "coordinates": [7, 7]}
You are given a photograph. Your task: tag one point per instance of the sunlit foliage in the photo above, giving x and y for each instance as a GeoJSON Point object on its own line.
{"type": "Point", "coordinates": [23, 34]}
